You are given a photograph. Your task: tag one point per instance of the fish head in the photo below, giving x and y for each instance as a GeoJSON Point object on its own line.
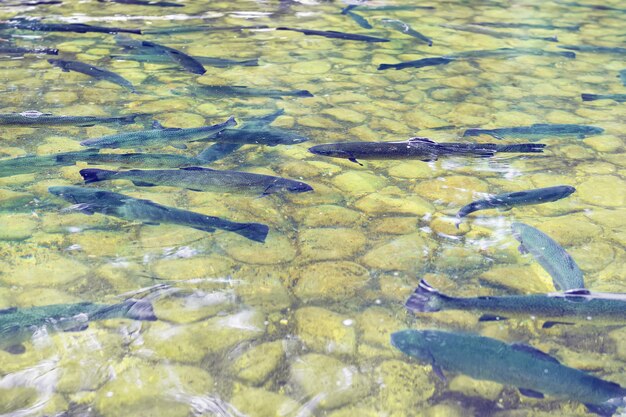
{"type": "Point", "coordinates": [138, 310]}
{"type": "Point", "coordinates": [330, 149]}
{"type": "Point", "coordinates": [75, 194]}
{"type": "Point", "coordinates": [56, 62]}
{"type": "Point", "coordinates": [414, 343]}
{"type": "Point", "coordinates": [565, 190]}
{"type": "Point", "coordinates": [298, 187]}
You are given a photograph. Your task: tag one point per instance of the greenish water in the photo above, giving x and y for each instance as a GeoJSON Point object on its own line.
{"type": "Point", "coordinates": [300, 325]}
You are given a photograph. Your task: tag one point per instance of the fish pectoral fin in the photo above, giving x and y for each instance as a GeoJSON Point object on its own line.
{"type": "Point", "coordinates": [151, 223]}
{"type": "Point", "coordinates": [416, 140]}
{"type": "Point", "coordinates": [352, 159]}
{"type": "Point", "coordinates": [16, 349]}
{"type": "Point", "coordinates": [492, 317]}
{"type": "Point", "coordinates": [522, 249]}
{"type": "Point", "coordinates": [495, 135]}
{"type": "Point", "coordinates": [204, 229]}
{"type": "Point", "coordinates": [551, 324]}
{"type": "Point", "coordinates": [78, 328]}
{"type": "Point", "coordinates": [505, 208]}
{"type": "Point", "coordinates": [157, 125]}
{"type": "Point", "coordinates": [604, 410]}
{"type": "Point", "coordinates": [179, 146]}
{"type": "Point", "coordinates": [143, 184]}
{"type": "Point", "coordinates": [439, 372]}
{"type": "Point", "coordinates": [530, 393]}
{"type": "Point", "coordinates": [430, 158]}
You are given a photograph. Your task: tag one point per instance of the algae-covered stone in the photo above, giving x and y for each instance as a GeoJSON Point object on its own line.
{"type": "Point", "coordinates": [358, 183]}
{"type": "Point", "coordinates": [16, 226]}
{"type": "Point", "coordinates": [326, 215]}
{"type": "Point", "coordinates": [521, 278]}
{"type": "Point", "coordinates": [456, 189]}
{"type": "Point", "coordinates": [277, 249]}
{"type": "Point", "coordinates": [376, 324]}
{"type": "Point", "coordinates": [325, 331]}
{"type": "Point", "coordinates": [330, 243]}
{"type": "Point", "coordinates": [102, 243]}
{"type": "Point", "coordinates": [16, 398]}
{"type": "Point", "coordinates": [475, 388]}
{"type": "Point", "coordinates": [404, 253]}
{"type": "Point", "coordinates": [445, 410]}
{"type": "Point", "coordinates": [42, 270]}
{"type": "Point", "coordinates": [256, 402]}
{"type": "Point", "coordinates": [195, 306]}
{"type": "Point", "coordinates": [330, 280]}
{"type": "Point", "coordinates": [150, 391]}
{"type": "Point", "coordinates": [196, 267]}
{"type": "Point", "coordinates": [14, 199]}
{"type": "Point", "coordinates": [354, 410]}
{"type": "Point", "coordinates": [403, 386]}
{"type": "Point", "coordinates": [570, 230]}
{"type": "Point", "coordinates": [376, 203]}
{"type": "Point", "coordinates": [345, 115]}
{"type": "Point", "coordinates": [396, 225]}
{"type": "Point", "coordinates": [262, 288]}
{"type": "Point", "coordinates": [329, 380]}
{"type": "Point", "coordinates": [603, 190]}
{"type": "Point", "coordinates": [257, 363]}
{"type": "Point", "coordinates": [460, 259]}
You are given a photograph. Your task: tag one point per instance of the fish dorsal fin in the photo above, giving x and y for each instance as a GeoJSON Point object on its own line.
{"type": "Point", "coordinates": [157, 125]}
{"type": "Point", "coordinates": [578, 291]}
{"type": "Point", "coordinates": [535, 352]}
{"type": "Point", "coordinates": [33, 114]}
{"type": "Point", "coordinates": [530, 393]}
{"type": "Point", "coordinates": [196, 169]}
{"type": "Point", "coordinates": [421, 140]}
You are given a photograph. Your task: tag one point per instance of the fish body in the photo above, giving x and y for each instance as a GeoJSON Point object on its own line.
{"type": "Point", "coordinates": [213, 62]}
{"type": "Point", "coordinates": [570, 307]}
{"type": "Point", "coordinates": [145, 3]}
{"type": "Point", "coordinates": [90, 200]}
{"type": "Point", "coordinates": [336, 35]}
{"type": "Point", "coordinates": [154, 137]}
{"type": "Point", "coordinates": [539, 130]}
{"type": "Point", "coordinates": [595, 49]}
{"type": "Point", "coordinates": [16, 50]}
{"type": "Point", "coordinates": [37, 25]}
{"type": "Point", "coordinates": [620, 98]}
{"type": "Point", "coordinates": [202, 28]}
{"type": "Point", "coordinates": [416, 148]}
{"type": "Point", "coordinates": [404, 28]}
{"type": "Point", "coordinates": [92, 71]}
{"type": "Point", "coordinates": [186, 61]}
{"type": "Point", "coordinates": [360, 20]}
{"type": "Point", "coordinates": [518, 198]}
{"type": "Point", "coordinates": [532, 371]}
{"type": "Point", "coordinates": [497, 34]}
{"type": "Point", "coordinates": [418, 63]}
{"type": "Point", "coordinates": [201, 179]}
{"type": "Point", "coordinates": [573, 28]}
{"type": "Point", "coordinates": [242, 91]}
{"type": "Point", "coordinates": [33, 118]}
{"type": "Point", "coordinates": [622, 76]}
{"type": "Point", "coordinates": [17, 325]}
{"type": "Point", "coordinates": [565, 273]}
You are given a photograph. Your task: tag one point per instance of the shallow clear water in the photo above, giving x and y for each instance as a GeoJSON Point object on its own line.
{"type": "Point", "coordinates": [300, 325]}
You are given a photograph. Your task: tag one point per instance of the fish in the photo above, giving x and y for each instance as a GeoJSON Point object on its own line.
{"type": "Point", "coordinates": [204, 60]}
{"type": "Point", "coordinates": [538, 130]}
{"type": "Point", "coordinates": [17, 325]}
{"type": "Point", "coordinates": [577, 306]}
{"type": "Point", "coordinates": [360, 20]}
{"type": "Point", "coordinates": [572, 28]}
{"type": "Point", "coordinates": [497, 34]}
{"type": "Point", "coordinates": [200, 28]}
{"type": "Point", "coordinates": [533, 372]}
{"type": "Point", "coordinates": [243, 91]}
{"type": "Point", "coordinates": [565, 273]}
{"type": "Point", "coordinates": [622, 76]}
{"type": "Point", "coordinates": [404, 28]}
{"type": "Point", "coordinates": [15, 50]}
{"type": "Point", "coordinates": [518, 198]}
{"type": "Point", "coordinates": [593, 6]}
{"type": "Point", "coordinates": [422, 149]}
{"type": "Point", "coordinates": [469, 55]}
{"type": "Point", "coordinates": [201, 179]}
{"type": "Point", "coordinates": [34, 118]}
{"type": "Point", "coordinates": [91, 200]}
{"type": "Point", "coordinates": [93, 71]}
{"type": "Point", "coordinates": [37, 25]}
{"type": "Point", "coordinates": [158, 136]}
{"type": "Point", "coordinates": [145, 3]}
{"type": "Point", "coordinates": [32, 3]}
{"type": "Point", "coordinates": [336, 35]}
{"type": "Point", "coordinates": [186, 61]}
{"type": "Point", "coordinates": [595, 49]}
{"type": "Point", "coordinates": [620, 98]}
{"type": "Point", "coordinates": [391, 8]}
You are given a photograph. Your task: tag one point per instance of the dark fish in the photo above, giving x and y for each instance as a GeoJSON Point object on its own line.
{"type": "Point", "coordinates": [595, 49]}
{"type": "Point", "coordinates": [203, 28]}
{"type": "Point", "coordinates": [186, 61]}
{"type": "Point", "coordinates": [336, 35]}
{"type": "Point", "coordinates": [532, 371]}
{"type": "Point", "coordinates": [34, 118]}
{"type": "Point", "coordinates": [622, 76]}
{"type": "Point", "coordinates": [17, 325]}
{"type": "Point", "coordinates": [204, 60]}
{"type": "Point", "coordinates": [539, 130]}
{"type": "Point", "coordinates": [416, 148]}
{"type": "Point", "coordinates": [32, 3]}
{"type": "Point", "coordinates": [497, 34]}
{"type": "Point", "coordinates": [469, 55]}
{"type": "Point", "coordinates": [92, 71]}
{"type": "Point", "coordinates": [160, 136]}
{"type": "Point", "coordinates": [243, 91]}
{"type": "Point", "coordinates": [90, 201]}
{"type": "Point", "coordinates": [37, 25]}
{"type": "Point", "coordinates": [570, 307]}
{"type": "Point", "coordinates": [620, 98]}
{"type": "Point", "coordinates": [218, 151]}
{"type": "Point", "coordinates": [565, 273]}
{"type": "Point", "coordinates": [518, 198]}
{"type": "Point", "coordinates": [360, 20]}
{"type": "Point", "coordinates": [593, 6]}
{"type": "Point", "coordinates": [201, 179]}
{"type": "Point", "coordinates": [391, 8]}
{"type": "Point", "coordinates": [145, 3]}
{"type": "Point", "coordinates": [574, 28]}
{"type": "Point", "coordinates": [404, 28]}
{"type": "Point", "coordinates": [15, 50]}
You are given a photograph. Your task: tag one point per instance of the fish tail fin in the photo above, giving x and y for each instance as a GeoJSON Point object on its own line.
{"type": "Point", "coordinates": [253, 231]}
{"type": "Point", "coordinates": [473, 132]}
{"type": "Point", "coordinates": [382, 67]}
{"type": "Point", "coordinates": [303, 93]}
{"type": "Point", "coordinates": [524, 147]}
{"type": "Point", "coordinates": [139, 310]}
{"type": "Point", "coordinates": [231, 121]}
{"type": "Point", "coordinates": [94, 175]}
{"type": "Point", "coordinates": [425, 299]}
{"type": "Point", "coordinates": [250, 62]}
{"type": "Point", "coordinates": [589, 97]}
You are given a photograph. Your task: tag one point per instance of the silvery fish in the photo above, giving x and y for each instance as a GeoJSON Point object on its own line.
{"type": "Point", "coordinates": [571, 307]}
{"type": "Point", "coordinates": [201, 179]}
{"type": "Point", "coordinates": [360, 20]}
{"type": "Point", "coordinates": [620, 98]}
{"type": "Point", "coordinates": [36, 25]}
{"type": "Point", "coordinates": [16, 50]}
{"type": "Point", "coordinates": [145, 3]}
{"type": "Point", "coordinates": [160, 136]}
{"type": "Point", "coordinates": [34, 118]}
{"type": "Point", "coordinates": [243, 91]}
{"type": "Point", "coordinates": [573, 28]}
{"type": "Point", "coordinates": [417, 148]}
{"type": "Point", "coordinates": [595, 49]}
{"type": "Point", "coordinates": [92, 71]}
{"type": "Point", "coordinates": [404, 28]}
{"type": "Point", "coordinates": [518, 198]}
{"type": "Point", "coordinates": [566, 275]}
{"type": "Point", "coordinates": [204, 60]}
{"type": "Point", "coordinates": [539, 130]}
{"type": "Point", "coordinates": [186, 61]}
{"type": "Point", "coordinates": [17, 325]}
{"type": "Point", "coordinates": [336, 35]}
{"type": "Point", "coordinates": [91, 200]}
{"type": "Point", "coordinates": [532, 371]}
{"type": "Point", "coordinates": [497, 34]}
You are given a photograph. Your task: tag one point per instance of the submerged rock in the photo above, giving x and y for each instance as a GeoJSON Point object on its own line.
{"type": "Point", "coordinates": [325, 331]}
